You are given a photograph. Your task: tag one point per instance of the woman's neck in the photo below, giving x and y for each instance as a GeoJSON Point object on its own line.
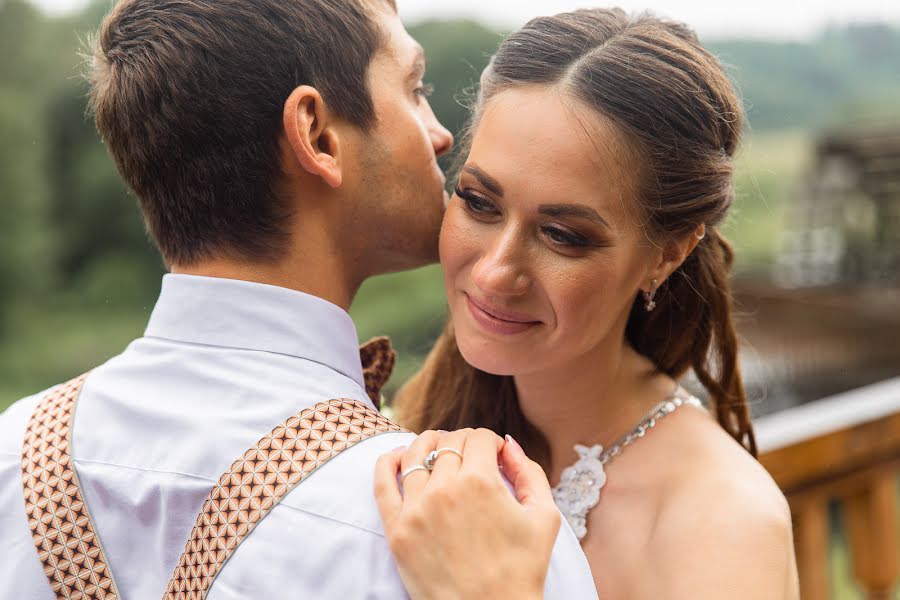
{"type": "Point", "coordinates": [594, 399]}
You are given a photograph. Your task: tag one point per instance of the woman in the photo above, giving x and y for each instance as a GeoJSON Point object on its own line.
{"type": "Point", "coordinates": [586, 273]}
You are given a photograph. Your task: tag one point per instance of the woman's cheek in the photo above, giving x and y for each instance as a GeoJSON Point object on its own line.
{"type": "Point", "coordinates": [444, 245]}
{"type": "Point", "coordinates": [580, 296]}
{"type": "Point", "coordinates": [457, 242]}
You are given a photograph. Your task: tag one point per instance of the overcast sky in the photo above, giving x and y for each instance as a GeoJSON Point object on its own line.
{"type": "Point", "coordinates": [785, 19]}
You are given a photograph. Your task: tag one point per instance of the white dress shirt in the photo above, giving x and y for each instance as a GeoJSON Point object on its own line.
{"type": "Point", "coordinates": [222, 362]}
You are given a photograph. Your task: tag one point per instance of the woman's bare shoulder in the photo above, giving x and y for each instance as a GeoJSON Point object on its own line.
{"type": "Point", "coordinates": [723, 524]}
{"type": "Point", "coordinates": [718, 479]}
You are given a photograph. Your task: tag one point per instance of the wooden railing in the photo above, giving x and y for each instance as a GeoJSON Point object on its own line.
{"type": "Point", "coordinates": [846, 449]}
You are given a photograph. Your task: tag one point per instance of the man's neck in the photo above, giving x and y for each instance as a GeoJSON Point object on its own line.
{"type": "Point", "coordinates": [311, 281]}
{"type": "Point", "coordinates": [319, 261]}
{"type": "Point", "coordinates": [314, 267]}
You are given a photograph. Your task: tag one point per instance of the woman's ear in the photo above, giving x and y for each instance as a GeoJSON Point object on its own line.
{"type": "Point", "coordinates": [311, 134]}
{"type": "Point", "coordinates": [673, 254]}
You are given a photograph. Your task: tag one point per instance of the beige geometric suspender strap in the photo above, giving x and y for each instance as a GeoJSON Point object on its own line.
{"type": "Point", "coordinates": [261, 478]}
{"type": "Point", "coordinates": [63, 531]}
{"type": "Point", "coordinates": [60, 523]}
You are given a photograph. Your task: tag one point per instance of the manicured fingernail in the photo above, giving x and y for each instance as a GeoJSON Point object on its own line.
{"type": "Point", "coordinates": [443, 431]}
{"type": "Point", "coordinates": [514, 443]}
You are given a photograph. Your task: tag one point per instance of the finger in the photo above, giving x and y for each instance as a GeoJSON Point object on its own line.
{"type": "Point", "coordinates": [482, 448]}
{"type": "Point", "coordinates": [415, 482]}
{"type": "Point", "coordinates": [448, 464]}
{"type": "Point", "coordinates": [387, 487]}
{"type": "Point", "coordinates": [527, 477]}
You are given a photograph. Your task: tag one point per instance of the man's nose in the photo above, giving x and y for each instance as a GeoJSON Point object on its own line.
{"type": "Point", "coordinates": [441, 138]}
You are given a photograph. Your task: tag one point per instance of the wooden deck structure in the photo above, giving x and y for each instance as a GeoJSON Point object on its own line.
{"type": "Point", "coordinates": [844, 223]}
{"type": "Point", "coordinates": [845, 448]}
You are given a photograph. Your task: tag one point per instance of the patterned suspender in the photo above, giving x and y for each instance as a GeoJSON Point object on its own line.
{"type": "Point", "coordinates": [61, 526]}
{"type": "Point", "coordinates": [63, 531]}
{"type": "Point", "coordinates": [257, 481]}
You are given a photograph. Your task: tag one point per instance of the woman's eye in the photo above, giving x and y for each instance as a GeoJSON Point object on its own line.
{"type": "Point", "coordinates": [564, 237]}
{"type": "Point", "coordinates": [476, 204]}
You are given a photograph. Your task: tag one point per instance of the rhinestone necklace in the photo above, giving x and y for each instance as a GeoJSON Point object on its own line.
{"type": "Point", "coordinates": [579, 486]}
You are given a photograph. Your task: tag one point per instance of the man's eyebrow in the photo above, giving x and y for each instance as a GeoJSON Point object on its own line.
{"type": "Point", "coordinates": [417, 69]}
{"type": "Point", "coordinates": [484, 179]}
{"type": "Point", "coordinates": [579, 211]}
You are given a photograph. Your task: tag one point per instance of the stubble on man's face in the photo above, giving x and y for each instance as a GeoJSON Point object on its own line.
{"type": "Point", "coordinates": [400, 209]}
{"type": "Point", "coordinates": [401, 188]}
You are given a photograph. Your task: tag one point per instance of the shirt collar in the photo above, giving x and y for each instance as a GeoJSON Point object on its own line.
{"type": "Point", "coordinates": [254, 316]}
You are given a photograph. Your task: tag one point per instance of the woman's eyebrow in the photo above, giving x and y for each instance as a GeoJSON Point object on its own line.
{"type": "Point", "coordinates": [573, 210]}
{"type": "Point", "coordinates": [579, 211]}
{"type": "Point", "coordinates": [484, 179]}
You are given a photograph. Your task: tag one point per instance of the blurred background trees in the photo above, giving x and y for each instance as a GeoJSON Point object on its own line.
{"type": "Point", "coordinates": [78, 275]}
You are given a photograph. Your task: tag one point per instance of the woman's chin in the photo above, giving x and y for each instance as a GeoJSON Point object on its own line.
{"type": "Point", "coordinates": [490, 359]}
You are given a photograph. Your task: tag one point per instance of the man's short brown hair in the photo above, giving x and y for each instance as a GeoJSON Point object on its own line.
{"type": "Point", "coordinates": [189, 94]}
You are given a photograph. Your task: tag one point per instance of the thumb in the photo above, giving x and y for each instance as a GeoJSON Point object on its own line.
{"type": "Point", "coordinates": [528, 478]}
{"type": "Point", "coordinates": [388, 497]}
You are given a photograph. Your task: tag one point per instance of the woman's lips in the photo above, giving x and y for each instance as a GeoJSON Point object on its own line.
{"type": "Point", "coordinates": [497, 321]}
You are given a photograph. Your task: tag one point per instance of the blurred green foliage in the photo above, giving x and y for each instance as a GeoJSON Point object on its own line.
{"type": "Point", "coordinates": [78, 274]}
{"type": "Point", "coordinates": [844, 74]}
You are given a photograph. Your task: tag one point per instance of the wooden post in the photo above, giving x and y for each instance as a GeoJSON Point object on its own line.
{"type": "Point", "coordinates": [872, 533]}
{"type": "Point", "coordinates": [844, 448]}
{"type": "Point", "coordinates": [811, 533]}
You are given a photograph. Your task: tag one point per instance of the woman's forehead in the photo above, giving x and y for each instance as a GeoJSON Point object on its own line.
{"type": "Point", "coordinates": [538, 139]}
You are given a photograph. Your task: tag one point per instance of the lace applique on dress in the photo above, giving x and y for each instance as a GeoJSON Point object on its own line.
{"type": "Point", "coordinates": [578, 490]}
{"type": "Point", "coordinates": [579, 487]}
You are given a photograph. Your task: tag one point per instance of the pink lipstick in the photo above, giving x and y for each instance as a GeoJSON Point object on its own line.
{"type": "Point", "coordinates": [498, 321]}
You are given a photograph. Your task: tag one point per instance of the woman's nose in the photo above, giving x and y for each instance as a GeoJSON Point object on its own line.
{"type": "Point", "coordinates": [501, 270]}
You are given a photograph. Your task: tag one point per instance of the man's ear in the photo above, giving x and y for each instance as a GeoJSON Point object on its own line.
{"type": "Point", "coordinates": [672, 255]}
{"type": "Point", "coordinates": [312, 136]}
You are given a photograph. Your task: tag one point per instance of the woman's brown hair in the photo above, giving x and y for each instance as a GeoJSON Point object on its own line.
{"type": "Point", "coordinates": [673, 102]}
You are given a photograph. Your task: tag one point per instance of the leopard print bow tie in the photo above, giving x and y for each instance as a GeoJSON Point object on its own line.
{"type": "Point", "coordinates": [378, 358]}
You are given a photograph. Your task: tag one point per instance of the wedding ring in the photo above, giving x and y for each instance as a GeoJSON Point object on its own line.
{"type": "Point", "coordinates": [433, 456]}
{"type": "Point", "coordinates": [412, 469]}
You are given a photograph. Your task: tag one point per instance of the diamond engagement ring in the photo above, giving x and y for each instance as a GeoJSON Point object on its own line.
{"type": "Point", "coordinates": [433, 456]}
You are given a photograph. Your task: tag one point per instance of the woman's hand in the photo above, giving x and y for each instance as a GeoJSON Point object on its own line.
{"type": "Point", "coordinates": [457, 531]}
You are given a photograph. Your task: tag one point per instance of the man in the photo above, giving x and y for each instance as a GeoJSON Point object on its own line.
{"type": "Point", "coordinates": [282, 151]}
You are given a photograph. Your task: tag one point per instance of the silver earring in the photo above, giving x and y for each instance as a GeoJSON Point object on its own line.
{"type": "Point", "coordinates": [649, 302]}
